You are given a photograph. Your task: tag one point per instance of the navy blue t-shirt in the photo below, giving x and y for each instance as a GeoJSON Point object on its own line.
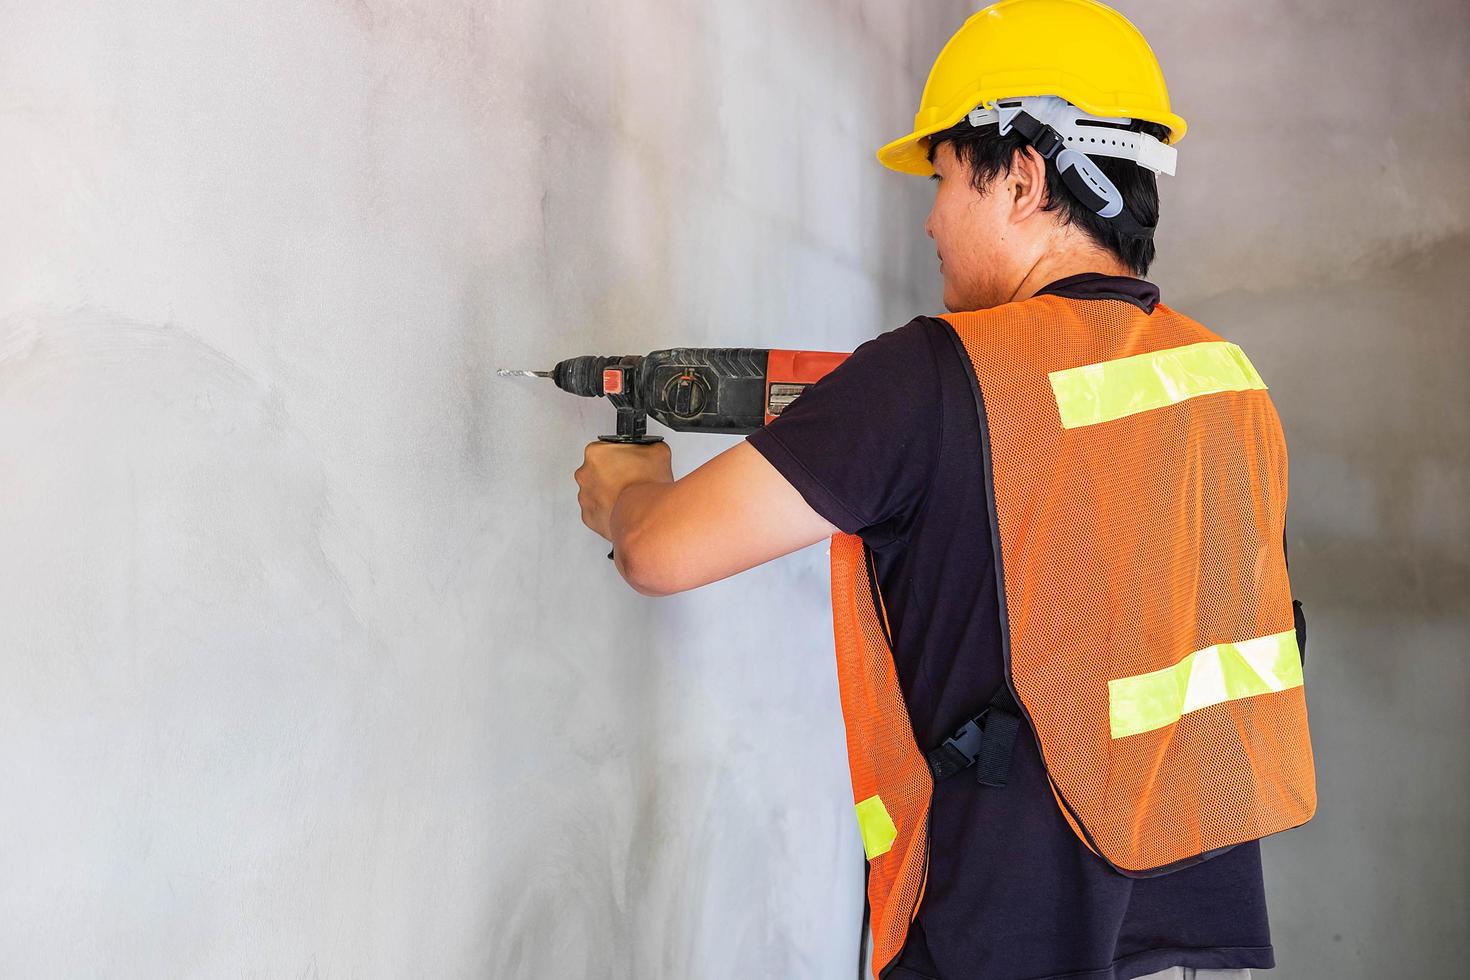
{"type": "Point", "coordinates": [887, 446]}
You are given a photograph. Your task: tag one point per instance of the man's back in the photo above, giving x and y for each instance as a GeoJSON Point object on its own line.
{"type": "Point", "coordinates": [889, 447]}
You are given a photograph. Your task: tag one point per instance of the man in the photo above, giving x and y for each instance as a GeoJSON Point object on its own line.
{"type": "Point", "coordinates": [1058, 512]}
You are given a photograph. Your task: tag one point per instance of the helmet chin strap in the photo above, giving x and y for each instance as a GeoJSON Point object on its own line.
{"type": "Point", "coordinates": [1062, 132]}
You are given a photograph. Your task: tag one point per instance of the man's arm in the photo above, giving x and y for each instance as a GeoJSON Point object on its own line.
{"type": "Point", "coordinates": [858, 449]}
{"type": "Point", "coordinates": [734, 512]}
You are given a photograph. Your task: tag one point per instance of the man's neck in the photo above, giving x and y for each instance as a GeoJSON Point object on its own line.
{"type": "Point", "coordinates": [1059, 265]}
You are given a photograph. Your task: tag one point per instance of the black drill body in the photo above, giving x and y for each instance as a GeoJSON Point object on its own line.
{"type": "Point", "coordinates": [688, 389]}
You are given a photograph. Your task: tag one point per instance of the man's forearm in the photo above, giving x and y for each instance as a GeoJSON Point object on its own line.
{"type": "Point", "coordinates": [634, 512]}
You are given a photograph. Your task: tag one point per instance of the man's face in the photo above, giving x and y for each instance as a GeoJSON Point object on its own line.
{"type": "Point", "coordinates": [970, 230]}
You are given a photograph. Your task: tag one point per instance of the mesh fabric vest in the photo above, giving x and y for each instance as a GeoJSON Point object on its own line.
{"type": "Point", "coordinates": [1137, 484]}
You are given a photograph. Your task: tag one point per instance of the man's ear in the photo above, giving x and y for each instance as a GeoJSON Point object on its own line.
{"type": "Point", "coordinates": [1027, 183]}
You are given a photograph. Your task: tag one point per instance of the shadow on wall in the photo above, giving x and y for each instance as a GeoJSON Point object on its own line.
{"type": "Point", "coordinates": [165, 442]}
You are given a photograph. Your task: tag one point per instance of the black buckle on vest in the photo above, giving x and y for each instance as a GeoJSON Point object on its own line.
{"type": "Point", "coordinates": [985, 741]}
{"type": "Point", "coordinates": [960, 749]}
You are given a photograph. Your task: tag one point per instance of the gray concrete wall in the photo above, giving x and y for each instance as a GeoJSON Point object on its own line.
{"type": "Point", "coordinates": [308, 668]}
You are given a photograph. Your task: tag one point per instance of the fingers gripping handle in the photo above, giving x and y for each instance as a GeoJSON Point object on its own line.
{"type": "Point", "coordinates": [633, 430]}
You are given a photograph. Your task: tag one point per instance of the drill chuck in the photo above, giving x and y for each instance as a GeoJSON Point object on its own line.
{"type": "Point", "coordinates": [582, 375]}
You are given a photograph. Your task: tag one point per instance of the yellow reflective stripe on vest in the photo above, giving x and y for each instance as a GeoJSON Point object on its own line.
{"type": "Point", "coordinates": [1214, 675]}
{"type": "Point", "coordinates": [876, 826]}
{"type": "Point", "coordinates": [1112, 390]}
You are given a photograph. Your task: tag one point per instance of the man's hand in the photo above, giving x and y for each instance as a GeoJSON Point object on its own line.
{"type": "Point", "coordinates": [610, 467]}
{"type": "Point", "coordinates": [733, 513]}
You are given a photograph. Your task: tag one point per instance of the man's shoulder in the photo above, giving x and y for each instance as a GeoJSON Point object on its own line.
{"type": "Point", "coordinates": [916, 332]}
{"type": "Point", "coordinates": [904, 354]}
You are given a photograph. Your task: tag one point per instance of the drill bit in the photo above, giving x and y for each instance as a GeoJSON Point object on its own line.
{"type": "Point", "coordinates": [523, 374]}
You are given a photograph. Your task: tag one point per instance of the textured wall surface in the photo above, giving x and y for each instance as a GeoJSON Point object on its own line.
{"type": "Point", "coordinates": [309, 669]}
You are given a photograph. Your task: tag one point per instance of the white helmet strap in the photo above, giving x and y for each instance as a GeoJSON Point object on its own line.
{"type": "Point", "coordinates": [1104, 136]}
{"type": "Point", "coordinates": [1060, 130]}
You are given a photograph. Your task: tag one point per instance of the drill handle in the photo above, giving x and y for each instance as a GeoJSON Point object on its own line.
{"type": "Point", "coordinates": [632, 429]}
{"type": "Point", "coordinates": [632, 425]}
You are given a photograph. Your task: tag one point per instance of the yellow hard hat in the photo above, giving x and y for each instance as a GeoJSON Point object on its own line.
{"type": "Point", "coordinates": [1079, 50]}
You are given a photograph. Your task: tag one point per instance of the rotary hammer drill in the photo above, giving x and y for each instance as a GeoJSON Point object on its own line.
{"type": "Point", "coordinates": [733, 390]}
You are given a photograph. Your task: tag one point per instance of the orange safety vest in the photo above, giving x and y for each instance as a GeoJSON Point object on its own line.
{"type": "Point", "coordinates": [1136, 476]}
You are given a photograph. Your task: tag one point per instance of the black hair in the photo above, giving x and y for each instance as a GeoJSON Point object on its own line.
{"type": "Point", "coordinates": [987, 154]}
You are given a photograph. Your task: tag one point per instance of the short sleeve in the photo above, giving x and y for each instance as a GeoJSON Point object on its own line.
{"type": "Point", "coordinates": [861, 445]}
